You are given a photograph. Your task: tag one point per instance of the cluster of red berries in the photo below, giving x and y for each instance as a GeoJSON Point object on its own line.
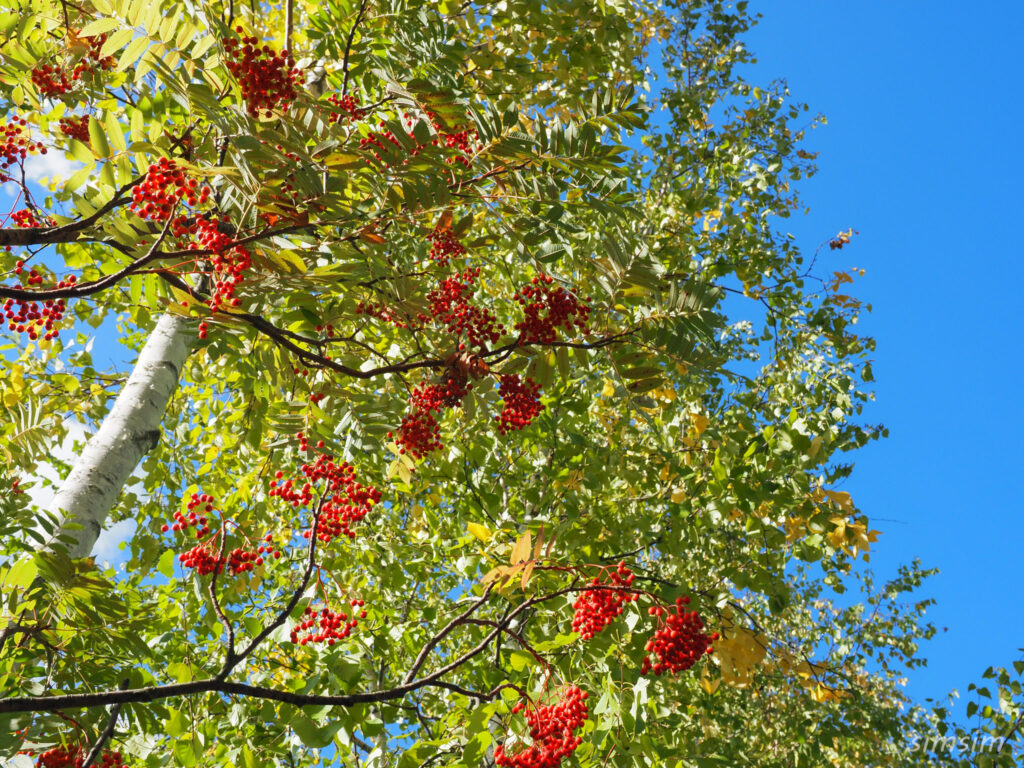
{"type": "Point", "coordinates": [444, 246]}
{"type": "Point", "coordinates": [53, 80]}
{"type": "Point", "coordinates": [347, 502]}
{"type": "Point", "coordinates": [595, 609]}
{"type": "Point", "coordinates": [419, 432]}
{"type": "Point", "coordinates": [344, 108]}
{"type": "Point", "coordinates": [205, 561]}
{"type": "Point", "coordinates": [30, 218]}
{"type": "Point", "coordinates": [450, 307]}
{"type": "Point", "coordinates": [460, 141]}
{"type": "Point", "coordinates": [382, 312]}
{"type": "Point", "coordinates": [229, 262]}
{"type": "Point", "coordinates": [548, 307]}
{"type": "Point", "coordinates": [33, 317]}
{"type": "Point", "coordinates": [521, 397]}
{"type": "Point", "coordinates": [202, 557]}
{"type": "Point", "coordinates": [267, 78]}
{"type": "Point", "coordinates": [15, 145]}
{"type": "Point", "coordinates": [74, 757]}
{"type": "Point", "coordinates": [75, 128]}
{"type": "Point", "coordinates": [16, 486]}
{"type": "Point", "coordinates": [552, 730]}
{"type": "Point", "coordinates": [679, 643]}
{"type": "Point", "coordinates": [326, 626]}
{"type": "Point", "coordinates": [164, 187]}
{"type": "Point", "coordinates": [198, 520]}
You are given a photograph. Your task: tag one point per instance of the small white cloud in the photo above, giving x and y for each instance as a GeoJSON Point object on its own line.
{"type": "Point", "coordinates": [50, 165]}
{"type": "Point", "coordinates": [107, 549]}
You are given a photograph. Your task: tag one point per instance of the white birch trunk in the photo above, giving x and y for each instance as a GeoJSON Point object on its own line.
{"type": "Point", "coordinates": [129, 432]}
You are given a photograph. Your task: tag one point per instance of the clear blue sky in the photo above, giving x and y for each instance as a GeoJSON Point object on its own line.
{"type": "Point", "coordinates": [924, 123]}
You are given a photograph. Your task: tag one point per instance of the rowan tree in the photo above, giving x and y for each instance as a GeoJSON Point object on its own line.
{"type": "Point", "coordinates": [480, 414]}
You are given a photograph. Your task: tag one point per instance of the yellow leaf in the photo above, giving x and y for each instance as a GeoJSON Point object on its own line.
{"type": "Point", "coordinates": [479, 531]}
{"type": "Point", "coordinates": [521, 550]}
{"type": "Point", "coordinates": [538, 547]}
{"type": "Point", "coordinates": [608, 389]}
{"type": "Point", "coordinates": [678, 495]}
{"type": "Point", "coordinates": [495, 573]}
{"type": "Point", "coordinates": [527, 573]}
{"type": "Point", "coordinates": [707, 683]}
{"type": "Point", "coordinates": [700, 423]}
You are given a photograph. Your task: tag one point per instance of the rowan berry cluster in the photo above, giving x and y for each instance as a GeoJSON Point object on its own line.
{"type": "Point", "coordinates": [552, 730]}
{"type": "Point", "coordinates": [444, 246]}
{"type": "Point", "coordinates": [344, 108]}
{"type": "Point", "coordinates": [521, 397]}
{"type": "Point", "coordinates": [31, 218]}
{"type": "Point", "coordinates": [205, 560]}
{"type": "Point", "coordinates": [229, 262]}
{"type": "Point", "coordinates": [347, 501]}
{"type": "Point", "coordinates": [547, 308]}
{"type": "Point", "coordinates": [34, 317]}
{"type": "Point", "coordinates": [267, 79]}
{"type": "Point", "coordinates": [202, 556]}
{"type": "Point", "coordinates": [15, 145]}
{"type": "Point", "coordinates": [203, 502]}
{"type": "Point", "coordinates": [450, 307]}
{"type": "Point", "coordinates": [327, 626]}
{"type": "Point", "coordinates": [74, 757]}
{"type": "Point", "coordinates": [54, 80]}
{"type": "Point", "coordinates": [385, 313]}
{"type": "Point", "coordinates": [419, 432]}
{"type": "Point", "coordinates": [75, 128]}
{"type": "Point", "coordinates": [679, 643]}
{"type": "Point", "coordinates": [164, 187]}
{"type": "Point", "coordinates": [460, 141]}
{"type": "Point", "coordinates": [595, 609]}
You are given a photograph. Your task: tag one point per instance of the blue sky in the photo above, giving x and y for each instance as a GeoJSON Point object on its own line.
{"type": "Point", "coordinates": [923, 124]}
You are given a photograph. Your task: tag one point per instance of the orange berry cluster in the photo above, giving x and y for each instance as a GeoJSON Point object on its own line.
{"type": "Point", "coordinates": [15, 145]}
{"type": "Point", "coordinates": [419, 433]}
{"type": "Point", "coordinates": [267, 78]}
{"type": "Point", "coordinates": [326, 626]}
{"type": "Point", "coordinates": [450, 307]}
{"type": "Point", "coordinates": [74, 757]}
{"type": "Point", "coordinates": [679, 643]}
{"type": "Point", "coordinates": [548, 307]}
{"type": "Point", "coordinates": [228, 261]}
{"type": "Point", "coordinates": [53, 80]}
{"type": "Point", "coordinates": [595, 609]}
{"type": "Point", "coordinates": [33, 317]}
{"type": "Point", "coordinates": [444, 246]}
{"type": "Point", "coordinates": [30, 218]}
{"type": "Point", "coordinates": [201, 557]}
{"type": "Point", "coordinates": [348, 501]}
{"type": "Point", "coordinates": [75, 128]}
{"type": "Point", "coordinates": [522, 403]}
{"type": "Point", "coordinates": [552, 730]}
{"type": "Point", "coordinates": [344, 108]}
{"type": "Point", "coordinates": [164, 187]}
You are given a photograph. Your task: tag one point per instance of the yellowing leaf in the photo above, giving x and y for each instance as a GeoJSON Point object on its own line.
{"type": "Point", "coordinates": [481, 532]}
{"type": "Point", "coordinates": [539, 546]}
{"type": "Point", "coordinates": [527, 573]}
{"type": "Point", "coordinates": [707, 683]}
{"type": "Point", "coordinates": [678, 495]}
{"type": "Point", "coordinates": [521, 550]}
{"type": "Point", "coordinates": [608, 390]}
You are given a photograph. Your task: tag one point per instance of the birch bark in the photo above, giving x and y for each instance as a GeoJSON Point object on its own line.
{"type": "Point", "coordinates": [127, 434]}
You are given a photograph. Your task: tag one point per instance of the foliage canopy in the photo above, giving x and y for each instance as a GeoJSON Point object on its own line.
{"type": "Point", "coordinates": [469, 326]}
